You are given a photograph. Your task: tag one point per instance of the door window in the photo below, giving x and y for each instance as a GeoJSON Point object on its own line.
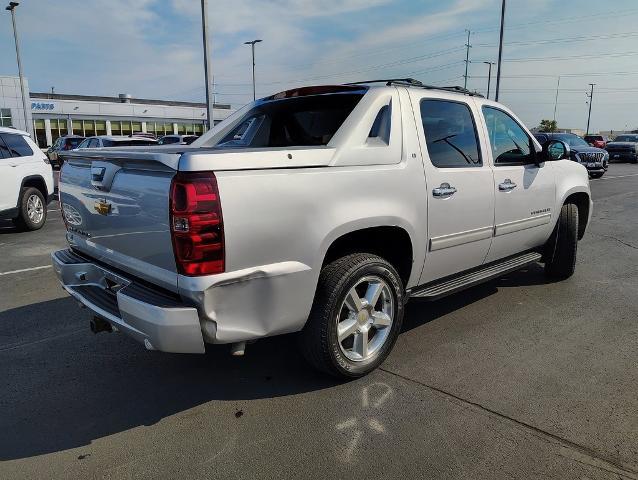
{"type": "Point", "coordinates": [4, 150]}
{"type": "Point", "coordinates": [450, 134]}
{"type": "Point", "coordinates": [510, 144]}
{"type": "Point", "coordinates": [17, 145]}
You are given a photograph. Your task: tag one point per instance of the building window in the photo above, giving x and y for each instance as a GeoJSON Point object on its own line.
{"type": "Point", "coordinates": [100, 127]}
{"type": "Point", "coordinates": [181, 129]}
{"type": "Point", "coordinates": [150, 127]}
{"type": "Point", "coordinates": [58, 128]}
{"type": "Point", "coordinates": [116, 128]}
{"type": "Point", "coordinates": [5, 117]}
{"type": "Point", "coordinates": [168, 128]}
{"type": "Point", "coordinates": [89, 128]}
{"type": "Point", "coordinates": [126, 127]}
{"type": "Point", "coordinates": [137, 127]}
{"type": "Point", "coordinates": [198, 129]}
{"type": "Point", "coordinates": [40, 132]}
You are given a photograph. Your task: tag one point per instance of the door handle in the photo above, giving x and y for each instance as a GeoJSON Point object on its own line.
{"type": "Point", "coordinates": [506, 186]}
{"type": "Point", "coordinates": [445, 190]}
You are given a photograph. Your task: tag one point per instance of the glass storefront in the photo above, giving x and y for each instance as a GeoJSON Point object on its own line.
{"type": "Point", "coordinates": [91, 127]}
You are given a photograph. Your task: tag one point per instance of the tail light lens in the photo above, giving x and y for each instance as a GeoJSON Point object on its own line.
{"type": "Point", "coordinates": [197, 228]}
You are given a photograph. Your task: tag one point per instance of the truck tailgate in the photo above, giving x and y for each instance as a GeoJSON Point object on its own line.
{"type": "Point", "coordinates": [116, 208]}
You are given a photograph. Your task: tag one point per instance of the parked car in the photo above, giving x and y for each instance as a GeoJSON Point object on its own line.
{"type": "Point", "coordinates": [68, 142]}
{"type": "Point", "coordinates": [106, 141]}
{"type": "Point", "coordinates": [598, 141]}
{"type": "Point", "coordinates": [331, 208]}
{"type": "Point", "coordinates": [26, 180]}
{"type": "Point", "coordinates": [624, 147]}
{"type": "Point", "coordinates": [596, 160]}
{"type": "Point", "coordinates": [177, 139]}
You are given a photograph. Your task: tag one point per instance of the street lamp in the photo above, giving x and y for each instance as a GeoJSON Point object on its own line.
{"type": "Point", "coordinates": [11, 8]}
{"type": "Point", "coordinates": [489, 77]}
{"type": "Point", "coordinates": [252, 46]}
{"type": "Point", "coordinates": [500, 51]}
{"type": "Point", "coordinates": [207, 66]}
{"type": "Point", "coordinates": [591, 99]}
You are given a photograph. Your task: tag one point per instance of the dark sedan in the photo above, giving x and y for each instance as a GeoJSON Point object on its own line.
{"type": "Point", "coordinates": [595, 160]}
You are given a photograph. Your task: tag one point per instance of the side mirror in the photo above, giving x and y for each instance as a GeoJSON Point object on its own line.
{"type": "Point", "coordinates": [556, 150]}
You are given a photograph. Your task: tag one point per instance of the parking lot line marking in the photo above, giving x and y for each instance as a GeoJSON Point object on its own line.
{"type": "Point", "coordinates": [25, 270]}
{"type": "Point", "coordinates": [620, 176]}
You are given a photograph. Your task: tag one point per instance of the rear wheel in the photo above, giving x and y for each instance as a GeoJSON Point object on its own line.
{"type": "Point", "coordinates": [560, 250]}
{"type": "Point", "coordinates": [356, 316]}
{"type": "Point", "coordinates": [32, 209]}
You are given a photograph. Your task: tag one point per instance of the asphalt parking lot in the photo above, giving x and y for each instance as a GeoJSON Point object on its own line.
{"type": "Point", "coordinates": [517, 378]}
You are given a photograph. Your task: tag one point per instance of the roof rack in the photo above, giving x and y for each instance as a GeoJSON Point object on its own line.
{"type": "Point", "coordinates": [411, 82]}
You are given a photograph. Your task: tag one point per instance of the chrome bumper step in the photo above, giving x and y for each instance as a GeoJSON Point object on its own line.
{"type": "Point", "coordinates": [439, 289]}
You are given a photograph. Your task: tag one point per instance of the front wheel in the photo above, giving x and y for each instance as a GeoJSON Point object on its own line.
{"type": "Point", "coordinates": [356, 316]}
{"type": "Point", "coordinates": [596, 175]}
{"type": "Point", "coordinates": [560, 250]}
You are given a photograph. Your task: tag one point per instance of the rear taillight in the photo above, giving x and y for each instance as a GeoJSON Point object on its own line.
{"type": "Point", "coordinates": [197, 228]}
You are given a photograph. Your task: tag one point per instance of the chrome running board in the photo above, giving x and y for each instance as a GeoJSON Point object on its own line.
{"type": "Point", "coordinates": [439, 289]}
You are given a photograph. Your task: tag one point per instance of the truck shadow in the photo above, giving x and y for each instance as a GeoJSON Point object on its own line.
{"type": "Point", "coordinates": [64, 387]}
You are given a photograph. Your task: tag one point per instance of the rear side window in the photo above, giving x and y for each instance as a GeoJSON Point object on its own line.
{"type": "Point", "coordinates": [17, 145]}
{"type": "Point", "coordinates": [298, 121]}
{"type": "Point", "coordinates": [73, 142]}
{"type": "Point", "coordinates": [450, 134]}
{"type": "Point", "coordinates": [381, 127]}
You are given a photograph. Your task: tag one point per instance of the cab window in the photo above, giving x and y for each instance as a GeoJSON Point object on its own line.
{"type": "Point", "coordinates": [509, 142]}
{"type": "Point", "coordinates": [450, 134]}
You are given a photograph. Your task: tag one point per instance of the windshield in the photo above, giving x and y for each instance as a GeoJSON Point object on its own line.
{"type": "Point", "coordinates": [73, 142]}
{"type": "Point", "coordinates": [626, 138]}
{"type": "Point", "coordinates": [297, 121]}
{"type": "Point", "coordinates": [571, 140]}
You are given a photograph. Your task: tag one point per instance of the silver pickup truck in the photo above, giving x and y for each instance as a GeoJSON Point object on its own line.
{"type": "Point", "coordinates": [317, 210]}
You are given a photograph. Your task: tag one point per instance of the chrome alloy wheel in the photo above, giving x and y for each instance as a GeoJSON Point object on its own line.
{"type": "Point", "coordinates": [365, 318]}
{"type": "Point", "coordinates": [35, 209]}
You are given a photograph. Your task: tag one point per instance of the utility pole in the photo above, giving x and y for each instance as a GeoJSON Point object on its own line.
{"type": "Point", "coordinates": [591, 99]}
{"type": "Point", "coordinates": [500, 51]}
{"type": "Point", "coordinates": [207, 74]}
{"type": "Point", "coordinates": [556, 99]}
{"type": "Point", "coordinates": [467, 56]}
{"type": "Point", "coordinates": [489, 77]}
{"type": "Point", "coordinates": [11, 8]}
{"type": "Point", "coordinates": [252, 46]}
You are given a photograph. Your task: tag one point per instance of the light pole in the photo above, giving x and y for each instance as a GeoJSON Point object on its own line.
{"type": "Point", "coordinates": [500, 51]}
{"type": "Point", "coordinates": [467, 57]}
{"type": "Point", "coordinates": [252, 47]}
{"type": "Point", "coordinates": [489, 77]}
{"type": "Point", "coordinates": [556, 99]}
{"type": "Point", "coordinates": [11, 7]}
{"type": "Point", "coordinates": [207, 75]}
{"type": "Point", "coordinates": [591, 99]}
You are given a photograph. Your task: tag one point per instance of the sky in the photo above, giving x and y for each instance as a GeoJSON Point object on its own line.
{"type": "Point", "coordinates": [153, 49]}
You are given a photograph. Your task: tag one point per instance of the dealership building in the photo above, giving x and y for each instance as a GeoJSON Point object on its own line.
{"type": "Point", "coordinates": [51, 115]}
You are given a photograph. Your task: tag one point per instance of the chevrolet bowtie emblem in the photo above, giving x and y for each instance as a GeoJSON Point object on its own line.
{"type": "Point", "coordinates": [102, 207]}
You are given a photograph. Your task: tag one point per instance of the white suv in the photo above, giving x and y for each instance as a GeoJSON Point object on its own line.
{"type": "Point", "coordinates": [26, 180]}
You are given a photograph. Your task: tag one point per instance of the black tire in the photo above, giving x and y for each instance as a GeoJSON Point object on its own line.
{"type": "Point", "coordinates": [23, 221]}
{"type": "Point", "coordinates": [318, 340]}
{"type": "Point", "coordinates": [596, 175]}
{"type": "Point", "coordinates": [560, 250]}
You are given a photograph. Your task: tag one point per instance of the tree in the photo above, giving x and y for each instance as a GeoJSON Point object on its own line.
{"type": "Point", "coordinates": [548, 125]}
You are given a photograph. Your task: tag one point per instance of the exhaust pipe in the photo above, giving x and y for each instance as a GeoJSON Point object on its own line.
{"type": "Point", "coordinates": [238, 349]}
{"type": "Point", "coordinates": [99, 325]}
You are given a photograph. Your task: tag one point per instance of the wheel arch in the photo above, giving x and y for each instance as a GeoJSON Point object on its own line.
{"type": "Point", "coordinates": [582, 201]}
{"type": "Point", "coordinates": [36, 181]}
{"type": "Point", "coordinates": [391, 242]}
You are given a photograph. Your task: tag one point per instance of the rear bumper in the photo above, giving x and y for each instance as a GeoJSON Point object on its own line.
{"type": "Point", "coordinates": [152, 317]}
